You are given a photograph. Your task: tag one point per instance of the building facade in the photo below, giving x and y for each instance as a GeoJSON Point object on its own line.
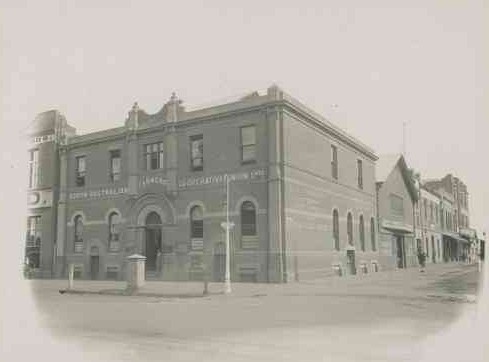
{"type": "Point", "coordinates": [454, 246]}
{"type": "Point", "coordinates": [396, 198]}
{"type": "Point", "coordinates": [430, 225]}
{"type": "Point", "coordinates": [457, 188]}
{"type": "Point", "coordinates": [301, 195]}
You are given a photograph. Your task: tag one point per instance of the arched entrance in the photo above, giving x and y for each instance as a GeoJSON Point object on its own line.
{"type": "Point", "coordinates": [152, 237]}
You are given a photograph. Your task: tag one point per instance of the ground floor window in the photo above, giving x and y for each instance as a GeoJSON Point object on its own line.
{"type": "Point", "coordinates": [336, 230]}
{"type": "Point", "coordinates": [114, 220]}
{"type": "Point", "coordinates": [78, 234]}
{"type": "Point", "coordinates": [372, 234]}
{"type": "Point", "coordinates": [33, 242]}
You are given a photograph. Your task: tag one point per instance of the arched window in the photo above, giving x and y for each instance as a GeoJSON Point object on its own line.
{"type": "Point", "coordinates": [349, 228]}
{"type": "Point", "coordinates": [114, 220]}
{"type": "Point", "coordinates": [336, 230]}
{"type": "Point", "coordinates": [248, 219]}
{"type": "Point", "coordinates": [372, 234]}
{"type": "Point", "coordinates": [361, 229]}
{"type": "Point", "coordinates": [196, 223]}
{"type": "Point", "coordinates": [78, 234]}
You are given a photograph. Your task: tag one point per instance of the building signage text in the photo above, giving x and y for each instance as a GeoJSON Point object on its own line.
{"type": "Point", "coordinates": [221, 178]}
{"type": "Point", "coordinates": [43, 139]}
{"type": "Point", "coordinates": [147, 180]}
{"type": "Point", "coordinates": [81, 195]}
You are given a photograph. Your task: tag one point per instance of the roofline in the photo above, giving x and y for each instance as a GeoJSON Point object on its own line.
{"type": "Point", "coordinates": [274, 97]}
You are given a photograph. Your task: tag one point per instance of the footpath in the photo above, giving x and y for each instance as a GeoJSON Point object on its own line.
{"type": "Point", "coordinates": [454, 282]}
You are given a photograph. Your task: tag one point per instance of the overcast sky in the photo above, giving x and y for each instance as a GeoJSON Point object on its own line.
{"type": "Point", "coordinates": [382, 64]}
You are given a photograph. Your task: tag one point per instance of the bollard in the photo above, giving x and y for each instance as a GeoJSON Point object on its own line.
{"type": "Point", "coordinates": [135, 273]}
{"type": "Point", "coordinates": [71, 272]}
{"type": "Point", "coordinates": [205, 279]}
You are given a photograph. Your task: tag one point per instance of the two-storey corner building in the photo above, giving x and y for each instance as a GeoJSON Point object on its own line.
{"type": "Point", "coordinates": [396, 197]}
{"type": "Point", "coordinates": [301, 194]}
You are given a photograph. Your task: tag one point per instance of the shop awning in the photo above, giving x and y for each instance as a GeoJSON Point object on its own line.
{"type": "Point", "coordinates": [397, 226]}
{"type": "Point", "coordinates": [455, 237]}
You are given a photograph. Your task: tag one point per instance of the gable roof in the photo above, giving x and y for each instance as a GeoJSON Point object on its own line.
{"type": "Point", "coordinates": [387, 163]}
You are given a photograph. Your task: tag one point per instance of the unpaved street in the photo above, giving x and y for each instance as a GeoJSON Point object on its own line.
{"type": "Point", "coordinates": [381, 317]}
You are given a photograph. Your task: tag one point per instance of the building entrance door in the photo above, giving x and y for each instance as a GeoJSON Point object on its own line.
{"type": "Point", "coordinates": [94, 266]}
{"type": "Point", "coordinates": [350, 262]}
{"type": "Point", "coordinates": [94, 263]}
{"type": "Point", "coordinates": [401, 256]}
{"type": "Point", "coordinates": [152, 240]}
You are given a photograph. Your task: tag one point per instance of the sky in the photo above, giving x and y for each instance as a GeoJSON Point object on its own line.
{"type": "Point", "coordinates": [367, 66]}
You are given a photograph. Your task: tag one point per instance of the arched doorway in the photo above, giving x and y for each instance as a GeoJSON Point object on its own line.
{"type": "Point", "coordinates": [152, 239]}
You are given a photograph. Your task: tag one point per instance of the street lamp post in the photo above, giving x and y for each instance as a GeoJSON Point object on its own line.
{"type": "Point", "coordinates": [227, 226]}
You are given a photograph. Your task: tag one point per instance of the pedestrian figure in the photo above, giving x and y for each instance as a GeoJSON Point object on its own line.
{"type": "Point", "coordinates": [421, 259]}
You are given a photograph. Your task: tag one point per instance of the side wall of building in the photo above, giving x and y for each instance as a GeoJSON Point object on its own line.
{"type": "Point", "coordinates": [311, 195]}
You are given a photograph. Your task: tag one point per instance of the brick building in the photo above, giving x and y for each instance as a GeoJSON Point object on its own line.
{"type": "Point", "coordinates": [302, 194]}
{"type": "Point", "coordinates": [454, 216]}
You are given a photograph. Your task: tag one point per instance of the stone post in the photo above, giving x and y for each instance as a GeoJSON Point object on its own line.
{"type": "Point", "coordinates": [71, 272]}
{"type": "Point", "coordinates": [135, 272]}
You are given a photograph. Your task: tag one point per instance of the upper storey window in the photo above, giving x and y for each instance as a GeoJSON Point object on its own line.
{"type": "Point", "coordinates": [81, 170]}
{"type": "Point", "coordinates": [360, 174]}
{"type": "Point", "coordinates": [33, 168]}
{"type": "Point", "coordinates": [334, 162]}
{"type": "Point", "coordinates": [397, 205]}
{"type": "Point", "coordinates": [197, 152]}
{"type": "Point", "coordinates": [153, 154]}
{"type": "Point", "coordinates": [115, 165]}
{"type": "Point", "coordinates": [248, 144]}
